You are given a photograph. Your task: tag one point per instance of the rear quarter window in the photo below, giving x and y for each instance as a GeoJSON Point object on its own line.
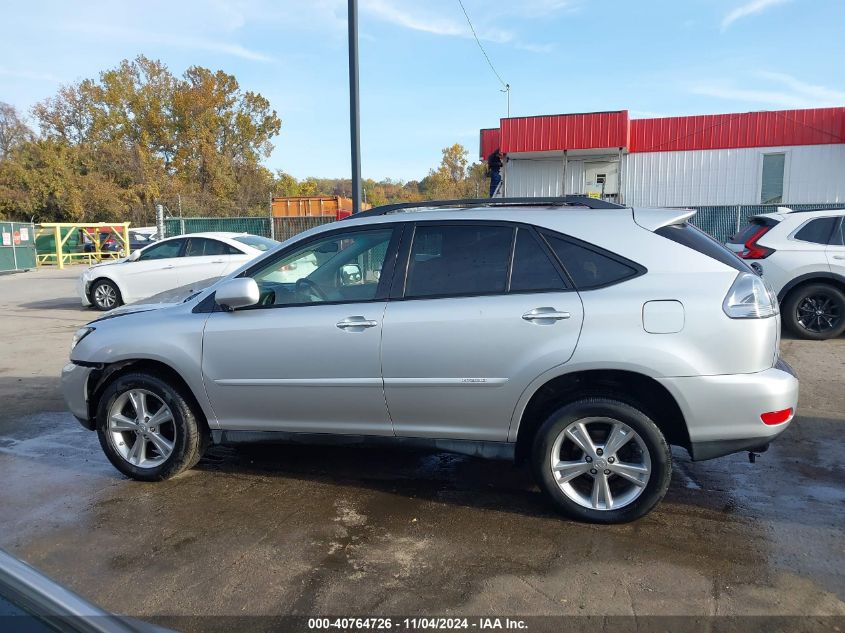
{"type": "Point", "coordinates": [588, 266]}
{"type": "Point", "coordinates": [817, 231]}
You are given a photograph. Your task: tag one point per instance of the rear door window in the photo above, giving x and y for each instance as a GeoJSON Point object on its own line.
{"type": "Point", "coordinates": [588, 266]}
{"type": "Point", "coordinates": [459, 259]}
{"type": "Point", "coordinates": [817, 231]}
{"type": "Point", "coordinates": [532, 268]}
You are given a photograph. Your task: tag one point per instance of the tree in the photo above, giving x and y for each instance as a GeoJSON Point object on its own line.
{"type": "Point", "coordinates": [13, 131]}
{"type": "Point", "coordinates": [137, 134]}
{"type": "Point", "coordinates": [450, 179]}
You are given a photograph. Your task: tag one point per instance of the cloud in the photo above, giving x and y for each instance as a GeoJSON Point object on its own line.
{"type": "Point", "coordinates": [389, 11]}
{"type": "Point", "coordinates": [789, 92]}
{"type": "Point", "coordinates": [411, 17]}
{"type": "Point", "coordinates": [821, 94]}
{"type": "Point", "coordinates": [145, 37]}
{"type": "Point", "coordinates": [749, 8]}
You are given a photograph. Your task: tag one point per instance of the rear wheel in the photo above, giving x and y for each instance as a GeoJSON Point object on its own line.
{"type": "Point", "coordinates": [601, 460]}
{"type": "Point", "coordinates": [148, 429]}
{"type": "Point", "coordinates": [105, 295]}
{"type": "Point", "coordinates": [815, 311]}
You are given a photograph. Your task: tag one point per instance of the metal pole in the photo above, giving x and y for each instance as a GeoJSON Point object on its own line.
{"type": "Point", "coordinates": [354, 118]}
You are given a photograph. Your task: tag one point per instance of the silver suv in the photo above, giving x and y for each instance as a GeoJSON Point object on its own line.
{"type": "Point", "coordinates": [580, 337]}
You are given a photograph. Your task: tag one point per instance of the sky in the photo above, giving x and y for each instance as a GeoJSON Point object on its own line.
{"type": "Point", "coordinates": [424, 82]}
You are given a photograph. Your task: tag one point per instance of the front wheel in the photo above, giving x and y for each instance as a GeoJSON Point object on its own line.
{"type": "Point", "coordinates": [148, 429]}
{"type": "Point", "coordinates": [105, 295]}
{"type": "Point", "coordinates": [602, 461]}
{"type": "Point", "coordinates": [815, 311]}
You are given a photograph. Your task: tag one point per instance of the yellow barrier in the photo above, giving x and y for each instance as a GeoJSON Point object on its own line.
{"type": "Point", "coordinates": [61, 232]}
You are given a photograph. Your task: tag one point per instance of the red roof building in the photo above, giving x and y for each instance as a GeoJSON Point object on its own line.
{"type": "Point", "coordinates": [786, 156]}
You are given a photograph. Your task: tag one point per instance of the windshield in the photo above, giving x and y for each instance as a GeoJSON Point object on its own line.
{"type": "Point", "coordinates": [258, 242]}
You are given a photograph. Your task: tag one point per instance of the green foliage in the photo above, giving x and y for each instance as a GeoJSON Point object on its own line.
{"type": "Point", "coordinates": [110, 148]}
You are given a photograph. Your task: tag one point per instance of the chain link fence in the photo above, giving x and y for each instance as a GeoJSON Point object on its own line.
{"type": "Point", "coordinates": [286, 228]}
{"type": "Point", "coordinates": [181, 226]}
{"type": "Point", "coordinates": [724, 221]}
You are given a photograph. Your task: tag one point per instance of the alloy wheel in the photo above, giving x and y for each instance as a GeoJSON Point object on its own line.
{"type": "Point", "coordinates": [105, 296]}
{"type": "Point", "coordinates": [600, 463]}
{"type": "Point", "coordinates": [818, 313]}
{"type": "Point", "coordinates": [141, 428]}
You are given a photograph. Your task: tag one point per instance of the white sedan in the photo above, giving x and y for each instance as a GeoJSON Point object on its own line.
{"type": "Point", "coordinates": [170, 263]}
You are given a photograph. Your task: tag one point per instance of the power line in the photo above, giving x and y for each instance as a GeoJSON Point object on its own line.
{"type": "Point", "coordinates": [478, 41]}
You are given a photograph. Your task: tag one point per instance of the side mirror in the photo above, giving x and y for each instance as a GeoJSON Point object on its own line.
{"type": "Point", "coordinates": [134, 256]}
{"type": "Point", "coordinates": [237, 293]}
{"type": "Point", "coordinates": [350, 275]}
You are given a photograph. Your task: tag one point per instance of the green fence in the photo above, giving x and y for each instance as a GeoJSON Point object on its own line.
{"type": "Point", "coordinates": [17, 246]}
{"type": "Point", "coordinates": [279, 229]}
{"type": "Point", "coordinates": [253, 225]}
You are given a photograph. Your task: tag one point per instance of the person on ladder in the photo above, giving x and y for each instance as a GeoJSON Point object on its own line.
{"type": "Point", "coordinates": [494, 165]}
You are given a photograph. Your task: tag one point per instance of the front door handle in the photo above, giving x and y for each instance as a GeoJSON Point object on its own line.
{"type": "Point", "coordinates": [167, 267]}
{"type": "Point", "coordinates": [839, 257]}
{"type": "Point", "coordinates": [218, 261]}
{"type": "Point", "coordinates": [356, 324]}
{"type": "Point", "coordinates": [545, 315]}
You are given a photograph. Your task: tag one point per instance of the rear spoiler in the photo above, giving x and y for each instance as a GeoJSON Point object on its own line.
{"type": "Point", "coordinates": [653, 219]}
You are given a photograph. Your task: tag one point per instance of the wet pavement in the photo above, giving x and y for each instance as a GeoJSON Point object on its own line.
{"type": "Point", "coordinates": [274, 529]}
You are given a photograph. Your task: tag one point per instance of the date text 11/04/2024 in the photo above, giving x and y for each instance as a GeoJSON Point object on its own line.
{"type": "Point", "coordinates": [421, 623]}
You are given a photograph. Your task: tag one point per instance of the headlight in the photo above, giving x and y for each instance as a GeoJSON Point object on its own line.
{"type": "Point", "coordinates": [750, 298]}
{"type": "Point", "coordinates": [81, 333]}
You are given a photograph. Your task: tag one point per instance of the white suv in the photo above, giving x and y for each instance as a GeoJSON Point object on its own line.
{"type": "Point", "coordinates": [576, 335]}
{"type": "Point", "coordinates": [801, 254]}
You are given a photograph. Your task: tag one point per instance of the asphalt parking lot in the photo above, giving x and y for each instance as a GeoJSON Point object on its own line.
{"type": "Point", "coordinates": [290, 530]}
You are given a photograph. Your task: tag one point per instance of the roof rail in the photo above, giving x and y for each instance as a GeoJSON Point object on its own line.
{"type": "Point", "coordinates": [561, 201]}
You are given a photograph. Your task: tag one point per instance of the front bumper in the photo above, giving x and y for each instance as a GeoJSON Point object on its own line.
{"type": "Point", "coordinates": [82, 290]}
{"type": "Point", "coordinates": [75, 391]}
{"type": "Point", "coordinates": [723, 412]}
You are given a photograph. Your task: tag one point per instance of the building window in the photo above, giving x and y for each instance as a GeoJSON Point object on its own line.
{"type": "Point", "coordinates": [771, 189]}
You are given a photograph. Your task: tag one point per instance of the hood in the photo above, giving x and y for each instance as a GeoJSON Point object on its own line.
{"type": "Point", "coordinates": [164, 299]}
{"type": "Point", "coordinates": [108, 263]}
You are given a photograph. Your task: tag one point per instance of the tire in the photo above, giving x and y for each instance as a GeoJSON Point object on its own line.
{"type": "Point", "coordinates": [186, 433]}
{"type": "Point", "coordinates": [797, 312]}
{"type": "Point", "coordinates": [105, 295]}
{"type": "Point", "coordinates": [646, 449]}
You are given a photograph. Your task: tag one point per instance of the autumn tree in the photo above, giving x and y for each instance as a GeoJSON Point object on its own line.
{"type": "Point", "coordinates": [13, 131]}
{"type": "Point", "coordinates": [137, 135]}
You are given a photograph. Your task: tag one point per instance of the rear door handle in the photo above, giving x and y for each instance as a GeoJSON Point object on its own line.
{"type": "Point", "coordinates": [839, 257]}
{"type": "Point", "coordinates": [218, 261]}
{"type": "Point", "coordinates": [546, 314]}
{"type": "Point", "coordinates": [168, 267]}
{"type": "Point", "coordinates": [356, 324]}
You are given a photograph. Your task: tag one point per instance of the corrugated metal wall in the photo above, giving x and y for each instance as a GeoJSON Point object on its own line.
{"type": "Point", "coordinates": [489, 140]}
{"type": "Point", "coordinates": [732, 176]}
{"type": "Point", "coordinates": [565, 131]}
{"type": "Point", "coordinates": [529, 177]}
{"type": "Point", "coordinates": [745, 129]}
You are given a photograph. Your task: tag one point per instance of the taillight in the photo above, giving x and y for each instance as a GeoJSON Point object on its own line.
{"type": "Point", "coordinates": [750, 298]}
{"type": "Point", "coordinates": [752, 249]}
{"type": "Point", "coordinates": [776, 417]}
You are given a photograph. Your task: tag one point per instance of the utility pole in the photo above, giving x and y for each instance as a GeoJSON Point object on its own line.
{"type": "Point", "coordinates": [354, 118]}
